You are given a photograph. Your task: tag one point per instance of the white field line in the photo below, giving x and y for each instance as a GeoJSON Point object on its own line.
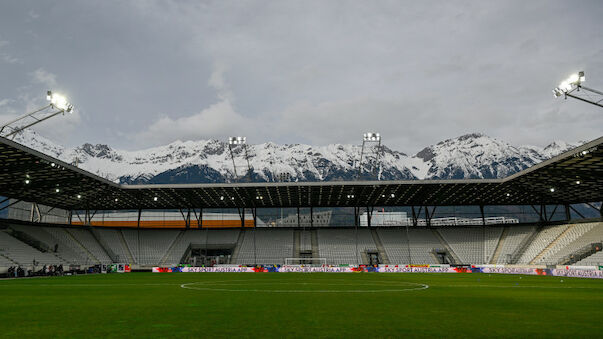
{"type": "Point", "coordinates": [200, 286]}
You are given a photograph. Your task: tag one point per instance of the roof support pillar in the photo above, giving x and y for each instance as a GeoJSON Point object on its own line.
{"type": "Point", "coordinates": [138, 220]}
{"type": "Point", "coordinates": [553, 213]}
{"type": "Point", "coordinates": [568, 215]}
{"type": "Point", "coordinates": [481, 210]}
{"type": "Point", "coordinates": [541, 216]}
{"type": "Point", "coordinates": [188, 218]}
{"type": "Point", "coordinates": [415, 219]}
{"type": "Point", "coordinates": [242, 217]}
{"type": "Point", "coordinates": [254, 212]}
{"type": "Point", "coordinates": [199, 217]}
{"type": "Point", "coordinates": [311, 216]}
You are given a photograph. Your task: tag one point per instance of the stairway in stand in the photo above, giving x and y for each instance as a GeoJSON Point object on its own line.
{"type": "Point", "coordinates": [447, 247]}
{"type": "Point", "coordinates": [499, 245]}
{"type": "Point", "coordinates": [235, 253]}
{"type": "Point", "coordinates": [382, 254]}
{"type": "Point", "coordinates": [546, 249]}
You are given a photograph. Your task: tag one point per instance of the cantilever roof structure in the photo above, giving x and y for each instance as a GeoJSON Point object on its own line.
{"type": "Point", "coordinates": [575, 176]}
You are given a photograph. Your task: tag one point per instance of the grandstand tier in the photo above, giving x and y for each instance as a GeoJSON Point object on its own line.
{"type": "Point", "coordinates": [22, 245]}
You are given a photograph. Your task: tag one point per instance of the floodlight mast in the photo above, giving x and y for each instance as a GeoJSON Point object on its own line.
{"type": "Point", "coordinates": [57, 102]}
{"type": "Point", "coordinates": [573, 84]}
{"type": "Point", "coordinates": [367, 139]}
{"type": "Point", "coordinates": [235, 142]}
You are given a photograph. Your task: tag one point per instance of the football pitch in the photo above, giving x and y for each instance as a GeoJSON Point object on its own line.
{"type": "Point", "coordinates": [301, 305]}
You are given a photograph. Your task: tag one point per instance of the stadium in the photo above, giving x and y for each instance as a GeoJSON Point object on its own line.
{"type": "Point", "coordinates": [62, 216]}
{"type": "Point", "coordinates": [257, 253]}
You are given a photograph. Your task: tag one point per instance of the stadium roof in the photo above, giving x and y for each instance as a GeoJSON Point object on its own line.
{"type": "Point", "coordinates": [575, 176]}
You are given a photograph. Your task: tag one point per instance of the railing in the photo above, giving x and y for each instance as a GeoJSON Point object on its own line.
{"type": "Point", "coordinates": [581, 253]}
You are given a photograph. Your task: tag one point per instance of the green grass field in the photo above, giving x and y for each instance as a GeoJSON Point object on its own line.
{"type": "Point", "coordinates": [301, 305]}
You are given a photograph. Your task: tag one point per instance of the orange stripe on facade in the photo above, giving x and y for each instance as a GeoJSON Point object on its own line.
{"type": "Point", "coordinates": [168, 223]}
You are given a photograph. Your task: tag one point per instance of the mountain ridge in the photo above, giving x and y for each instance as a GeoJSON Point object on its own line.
{"type": "Point", "coordinates": [473, 155]}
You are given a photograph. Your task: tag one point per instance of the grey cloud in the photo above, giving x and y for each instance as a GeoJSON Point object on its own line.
{"type": "Point", "coordinates": [149, 72]}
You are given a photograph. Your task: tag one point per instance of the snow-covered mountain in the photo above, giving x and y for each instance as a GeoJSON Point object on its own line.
{"type": "Point", "coordinates": [468, 156]}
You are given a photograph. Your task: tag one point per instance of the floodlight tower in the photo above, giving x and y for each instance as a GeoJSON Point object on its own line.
{"type": "Point", "coordinates": [572, 85]}
{"type": "Point", "coordinates": [371, 150]}
{"type": "Point", "coordinates": [239, 142]}
{"type": "Point", "coordinates": [58, 105]}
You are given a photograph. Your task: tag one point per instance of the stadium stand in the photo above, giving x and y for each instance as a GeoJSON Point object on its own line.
{"type": "Point", "coordinates": [272, 246]}
{"type": "Point", "coordinates": [23, 254]}
{"type": "Point", "coordinates": [548, 245]}
{"type": "Point", "coordinates": [395, 244]}
{"type": "Point", "coordinates": [576, 235]}
{"type": "Point", "coordinates": [86, 240]}
{"type": "Point", "coordinates": [511, 239]}
{"type": "Point", "coordinates": [593, 260]}
{"type": "Point", "coordinates": [305, 241]}
{"type": "Point", "coordinates": [60, 249]}
{"type": "Point", "coordinates": [66, 240]}
{"type": "Point", "coordinates": [147, 246]}
{"type": "Point", "coordinates": [472, 245]}
{"type": "Point", "coordinates": [541, 241]}
{"type": "Point", "coordinates": [338, 246]}
{"type": "Point", "coordinates": [116, 242]}
{"type": "Point", "coordinates": [421, 243]}
{"type": "Point", "coordinates": [201, 238]}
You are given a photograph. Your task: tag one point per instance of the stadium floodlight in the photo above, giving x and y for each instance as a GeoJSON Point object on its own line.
{"type": "Point", "coordinates": [27, 181]}
{"type": "Point", "coordinates": [578, 182]}
{"type": "Point", "coordinates": [59, 101]}
{"type": "Point", "coordinates": [237, 140]}
{"type": "Point", "coordinates": [371, 136]}
{"type": "Point", "coordinates": [371, 152]}
{"type": "Point", "coordinates": [58, 105]}
{"type": "Point", "coordinates": [573, 84]}
{"type": "Point", "coordinates": [79, 196]}
{"type": "Point", "coordinates": [552, 190]}
{"type": "Point", "coordinates": [155, 198]}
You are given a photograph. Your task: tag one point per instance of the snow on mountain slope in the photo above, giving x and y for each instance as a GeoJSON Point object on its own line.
{"type": "Point", "coordinates": [468, 156]}
{"type": "Point", "coordinates": [479, 156]}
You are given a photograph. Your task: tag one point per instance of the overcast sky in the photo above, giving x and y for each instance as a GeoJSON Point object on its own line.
{"type": "Point", "coordinates": [145, 73]}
